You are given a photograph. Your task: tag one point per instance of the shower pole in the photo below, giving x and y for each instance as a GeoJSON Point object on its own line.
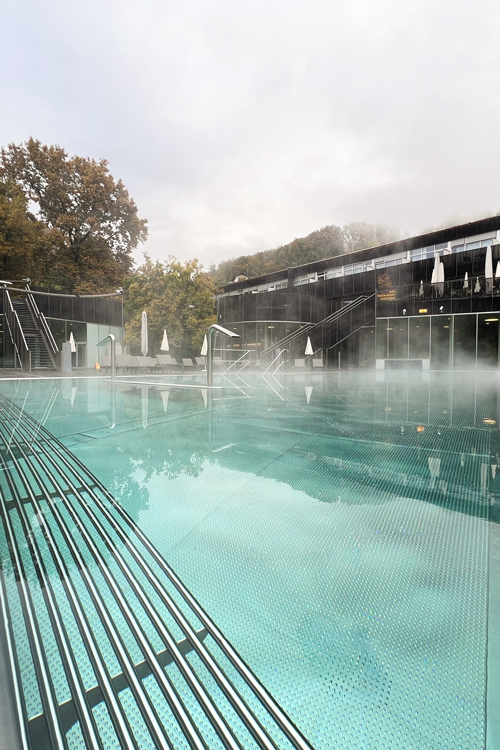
{"type": "Point", "coordinates": [210, 352]}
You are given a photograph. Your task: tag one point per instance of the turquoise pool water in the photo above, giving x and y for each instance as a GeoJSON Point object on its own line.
{"type": "Point", "coordinates": [342, 530]}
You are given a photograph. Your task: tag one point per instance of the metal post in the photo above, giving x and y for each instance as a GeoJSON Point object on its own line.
{"type": "Point", "coordinates": [112, 339]}
{"type": "Point", "coordinates": [210, 357]}
{"type": "Point", "coordinates": [210, 364]}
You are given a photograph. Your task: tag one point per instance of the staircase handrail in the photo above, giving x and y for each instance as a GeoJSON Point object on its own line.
{"type": "Point", "coordinates": [329, 319]}
{"type": "Point", "coordinates": [288, 338]}
{"type": "Point", "coordinates": [42, 320]}
{"type": "Point", "coordinates": [16, 333]}
{"type": "Point", "coordinates": [345, 309]}
{"type": "Point", "coordinates": [351, 333]}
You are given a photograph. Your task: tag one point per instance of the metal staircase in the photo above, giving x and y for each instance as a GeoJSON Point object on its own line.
{"type": "Point", "coordinates": [312, 328]}
{"type": "Point", "coordinates": [284, 342]}
{"type": "Point", "coordinates": [30, 343]}
{"type": "Point", "coordinates": [40, 355]}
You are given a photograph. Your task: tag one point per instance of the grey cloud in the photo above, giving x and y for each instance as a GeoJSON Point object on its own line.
{"type": "Point", "coordinates": [237, 127]}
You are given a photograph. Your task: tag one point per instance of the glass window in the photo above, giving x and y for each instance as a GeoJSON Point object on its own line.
{"type": "Point", "coordinates": [464, 342]}
{"type": "Point", "coordinates": [398, 338]}
{"type": "Point", "coordinates": [249, 336]}
{"type": "Point", "coordinates": [416, 254]}
{"type": "Point", "coordinates": [457, 248]}
{"type": "Point", "coordinates": [440, 342]}
{"type": "Point", "coordinates": [485, 243]}
{"type": "Point", "coordinates": [487, 340]}
{"type": "Point", "coordinates": [380, 264]}
{"type": "Point", "coordinates": [58, 328]}
{"type": "Point", "coordinates": [337, 272]}
{"type": "Point", "coordinates": [419, 337]}
{"type": "Point", "coordinates": [381, 327]}
{"type": "Point", "coordinates": [473, 245]}
{"type": "Point", "coordinates": [441, 245]}
{"type": "Point", "coordinates": [357, 268]}
{"type": "Point", "coordinates": [348, 270]}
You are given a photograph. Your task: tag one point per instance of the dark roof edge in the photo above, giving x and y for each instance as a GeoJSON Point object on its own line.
{"type": "Point", "coordinates": [422, 240]}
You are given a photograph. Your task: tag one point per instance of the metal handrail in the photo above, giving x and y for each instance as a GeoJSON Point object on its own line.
{"type": "Point", "coordinates": [213, 329]}
{"type": "Point", "coordinates": [288, 338]}
{"type": "Point", "coordinates": [41, 318]}
{"type": "Point", "coordinates": [16, 333]}
{"type": "Point", "coordinates": [244, 354]}
{"type": "Point", "coordinates": [112, 340]}
{"type": "Point", "coordinates": [313, 326]}
{"type": "Point", "coordinates": [274, 360]}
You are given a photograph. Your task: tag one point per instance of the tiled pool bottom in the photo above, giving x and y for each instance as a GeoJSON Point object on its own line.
{"type": "Point", "coordinates": [343, 550]}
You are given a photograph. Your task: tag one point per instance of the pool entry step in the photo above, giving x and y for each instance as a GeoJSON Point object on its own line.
{"type": "Point", "coordinates": [108, 649]}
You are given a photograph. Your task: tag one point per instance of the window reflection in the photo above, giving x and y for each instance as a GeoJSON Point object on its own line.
{"type": "Point", "coordinates": [464, 342]}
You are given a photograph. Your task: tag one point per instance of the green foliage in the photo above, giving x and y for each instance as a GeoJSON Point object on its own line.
{"type": "Point", "coordinates": [327, 242]}
{"type": "Point", "coordinates": [90, 222]}
{"type": "Point", "coordinates": [21, 236]}
{"type": "Point", "coordinates": [177, 297]}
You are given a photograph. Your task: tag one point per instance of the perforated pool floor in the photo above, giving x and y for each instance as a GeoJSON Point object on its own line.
{"type": "Point", "coordinates": [336, 529]}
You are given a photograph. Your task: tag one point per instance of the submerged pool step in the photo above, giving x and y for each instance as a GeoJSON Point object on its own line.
{"type": "Point", "coordinates": [105, 641]}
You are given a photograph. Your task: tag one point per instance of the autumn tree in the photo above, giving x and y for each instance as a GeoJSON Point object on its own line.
{"type": "Point", "coordinates": [178, 297]}
{"type": "Point", "coordinates": [90, 221]}
{"type": "Point", "coordinates": [21, 236]}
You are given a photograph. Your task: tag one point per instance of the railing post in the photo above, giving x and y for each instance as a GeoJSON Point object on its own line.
{"type": "Point", "coordinates": [112, 339]}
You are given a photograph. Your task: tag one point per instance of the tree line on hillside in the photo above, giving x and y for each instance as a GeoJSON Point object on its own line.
{"type": "Point", "coordinates": [327, 242]}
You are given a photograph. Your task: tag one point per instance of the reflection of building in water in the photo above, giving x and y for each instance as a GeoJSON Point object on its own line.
{"type": "Point", "coordinates": [430, 439]}
{"type": "Point", "coordinates": [428, 302]}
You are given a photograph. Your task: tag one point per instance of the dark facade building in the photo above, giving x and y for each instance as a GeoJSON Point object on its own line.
{"type": "Point", "coordinates": [35, 323]}
{"type": "Point", "coordinates": [430, 302]}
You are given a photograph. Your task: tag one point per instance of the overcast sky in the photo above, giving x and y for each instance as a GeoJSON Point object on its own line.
{"type": "Point", "coordinates": [237, 126]}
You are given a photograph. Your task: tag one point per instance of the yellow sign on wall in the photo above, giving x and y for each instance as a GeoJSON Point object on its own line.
{"type": "Point", "coordinates": [387, 296]}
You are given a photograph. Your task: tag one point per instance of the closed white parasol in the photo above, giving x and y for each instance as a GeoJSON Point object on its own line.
{"type": "Point", "coordinates": [144, 334]}
{"type": "Point", "coordinates": [164, 344]}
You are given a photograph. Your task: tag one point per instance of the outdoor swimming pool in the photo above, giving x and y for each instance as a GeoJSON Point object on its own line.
{"type": "Point", "coordinates": [342, 530]}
